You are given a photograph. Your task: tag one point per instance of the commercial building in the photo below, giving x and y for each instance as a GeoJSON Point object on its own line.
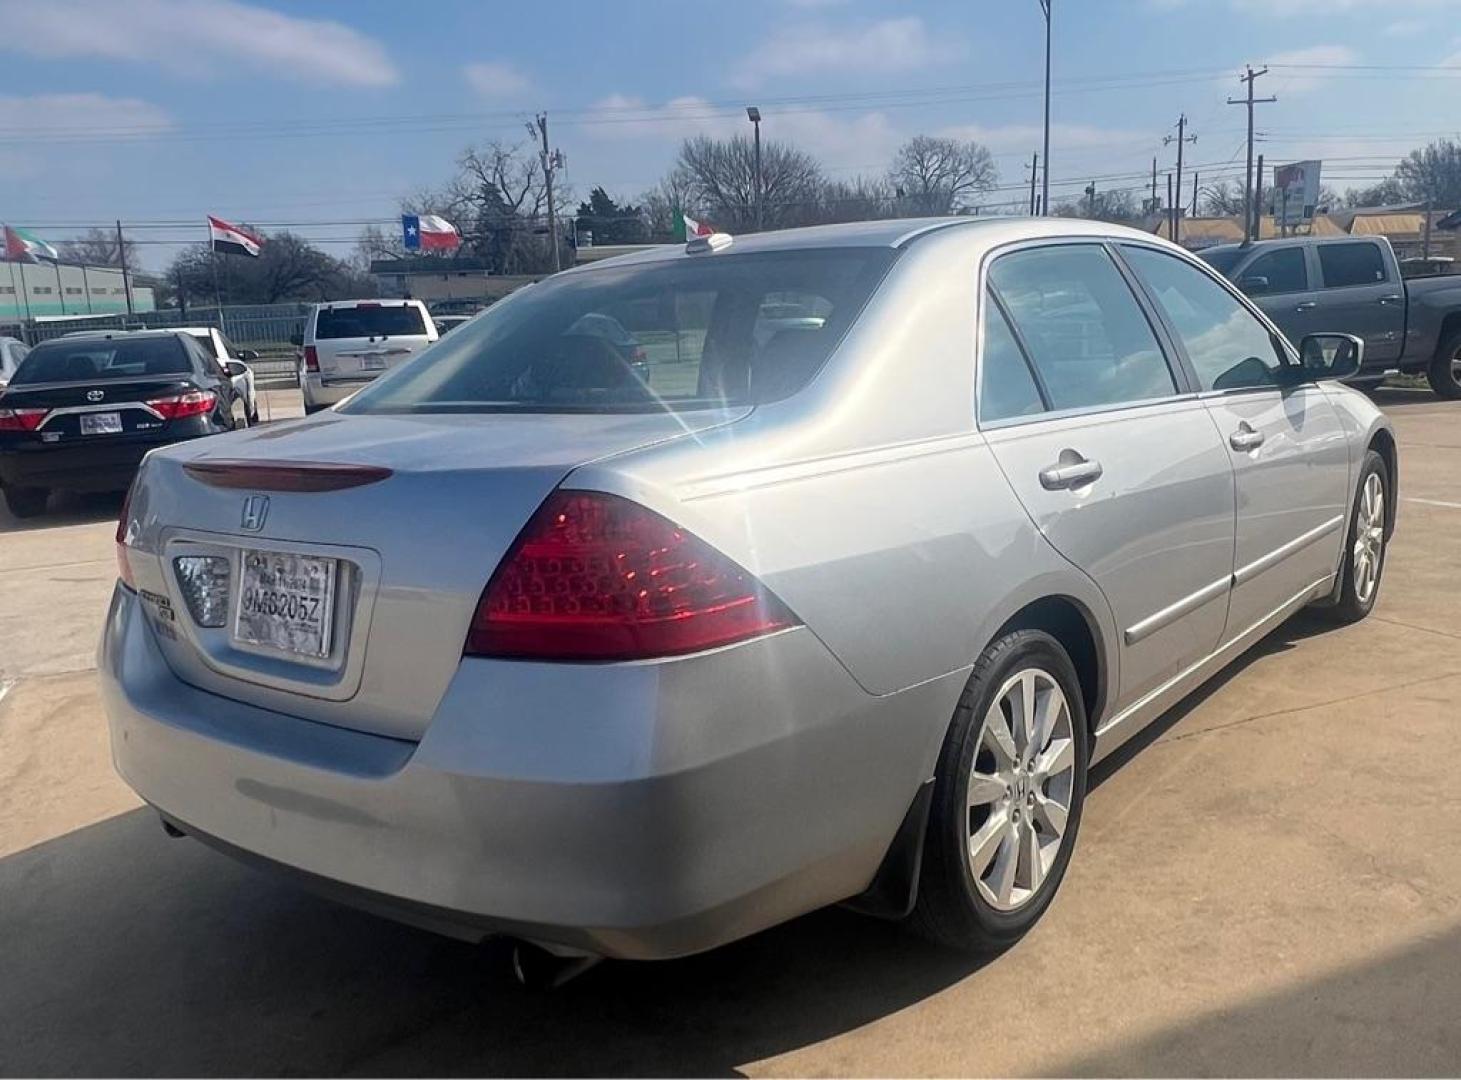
{"type": "Point", "coordinates": [31, 290]}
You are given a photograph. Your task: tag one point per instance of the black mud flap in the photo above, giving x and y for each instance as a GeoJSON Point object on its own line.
{"type": "Point", "coordinates": [894, 887]}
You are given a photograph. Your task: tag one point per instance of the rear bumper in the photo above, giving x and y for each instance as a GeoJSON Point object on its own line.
{"type": "Point", "coordinates": [630, 810]}
{"type": "Point", "coordinates": [332, 389]}
{"type": "Point", "coordinates": [105, 465]}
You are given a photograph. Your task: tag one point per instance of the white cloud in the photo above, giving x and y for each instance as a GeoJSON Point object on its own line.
{"type": "Point", "coordinates": [61, 115]}
{"type": "Point", "coordinates": [197, 38]}
{"type": "Point", "coordinates": [1309, 67]}
{"type": "Point", "coordinates": [803, 49]}
{"type": "Point", "coordinates": [497, 80]}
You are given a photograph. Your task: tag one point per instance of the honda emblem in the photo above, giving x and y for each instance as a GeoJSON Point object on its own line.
{"type": "Point", "coordinates": [255, 510]}
{"type": "Point", "coordinates": [95, 395]}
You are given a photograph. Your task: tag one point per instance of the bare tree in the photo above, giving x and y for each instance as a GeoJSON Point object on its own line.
{"type": "Point", "coordinates": [942, 176]}
{"type": "Point", "coordinates": [860, 199]}
{"type": "Point", "coordinates": [720, 177]}
{"type": "Point", "coordinates": [97, 247]}
{"type": "Point", "coordinates": [1224, 198]}
{"type": "Point", "coordinates": [670, 196]}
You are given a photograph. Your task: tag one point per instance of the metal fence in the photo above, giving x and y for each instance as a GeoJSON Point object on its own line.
{"type": "Point", "coordinates": [267, 329]}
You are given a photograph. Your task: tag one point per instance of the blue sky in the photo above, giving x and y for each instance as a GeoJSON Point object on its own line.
{"type": "Point", "coordinates": [328, 113]}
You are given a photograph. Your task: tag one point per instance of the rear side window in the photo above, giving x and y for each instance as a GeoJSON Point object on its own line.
{"type": "Point", "coordinates": [1228, 347]}
{"type": "Point", "coordinates": [1281, 271]}
{"type": "Point", "coordinates": [1086, 333]}
{"type": "Point", "coordinates": [398, 320]}
{"type": "Point", "coordinates": [1351, 264]}
{"type": "Point", "coordinates": [1006, 386]}
{"type": "Point", "coordinates": [206, 341]}
{"type": "Point", "coordinates": [691, 332]}
{"type": "Point", "coordinates": [89, 359]}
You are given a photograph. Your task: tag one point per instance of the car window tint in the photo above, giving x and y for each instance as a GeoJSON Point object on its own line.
{"type": "Point", "coordinates": [368, 320]}
{"type": "Point", "coordinates": [1006, 386]}
{"type": "Point", "coordinates": [1351, 264]}
{"type": "Point", "coordinates": [1087, 335]}
{"type": "Point", "coordinates": [84, 359]}
{"type": "Point", "coordinates": [674, 333]}
{"type": "Point", "coordinates": [1227, 346]}
{"type": "Point", "coordinates": [1285, 271]}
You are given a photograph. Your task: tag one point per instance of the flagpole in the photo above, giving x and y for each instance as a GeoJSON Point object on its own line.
{"type": "Point", "coordinates": [86, 287]}
{"type": "Point", "coordinates": [60, 290]}
{"type": "Point", "coordinates": [25, 292]}
{"type": "Point", "coordinates": [12, 289]}
{"type": "Point", "coordinates": [217, 291]}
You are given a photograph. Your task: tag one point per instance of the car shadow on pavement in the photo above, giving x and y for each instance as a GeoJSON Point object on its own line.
{"type": "Point", "coordinates": [127, 953]}
{"type": "Point", "coordinates": [67, 508]}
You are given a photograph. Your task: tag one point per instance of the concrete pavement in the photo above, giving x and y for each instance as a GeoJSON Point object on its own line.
{"type": "Point", "coordinates": [1267, 882]}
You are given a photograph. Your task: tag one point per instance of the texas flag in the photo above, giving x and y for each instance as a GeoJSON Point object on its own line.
{"type": "Point", "coordinates": [427, 232]}
{"type": "Point", "coordinates": [231, 239]}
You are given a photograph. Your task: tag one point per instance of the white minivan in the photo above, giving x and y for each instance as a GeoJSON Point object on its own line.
{"type": "Point", "coordinates": [347, 343]}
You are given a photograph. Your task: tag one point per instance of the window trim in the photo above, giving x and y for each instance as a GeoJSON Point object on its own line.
{"type": "Point", "coordinates": [1268, 254]}
{"type": "Point", "coordinates": [1286, 351]}
{"type": "Point", "coordinates": [1324, 279]}
{"type": "Point", "coordinates": [1176, 367]}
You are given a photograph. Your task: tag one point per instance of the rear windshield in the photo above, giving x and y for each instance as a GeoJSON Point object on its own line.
{"type": "Point", "coordinates": [1222, 259]}
{"type": "Point", "coordinates": [353, 322]}
{"type": "Point", "coordinates": [89, 359]}
{"type": "Point", "coordinates": [690, 333]}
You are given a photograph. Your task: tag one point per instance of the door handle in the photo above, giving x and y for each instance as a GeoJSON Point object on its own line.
{"type": "Point", "coordinates": [1306, 305]}
{"type": "Point", "coordinates": [1392, 298]}
{"type": "Point", "coordinates": [1245, 438]}
{"type": "Point", "coordinates": [1073, 471]}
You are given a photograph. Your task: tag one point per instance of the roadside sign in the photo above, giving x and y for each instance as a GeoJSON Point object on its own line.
{"type": "Point", "coordinates": [1295, 192]}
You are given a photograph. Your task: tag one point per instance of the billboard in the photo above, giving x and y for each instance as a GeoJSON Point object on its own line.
{"type": "Point", "coordinates": [1295, 192]}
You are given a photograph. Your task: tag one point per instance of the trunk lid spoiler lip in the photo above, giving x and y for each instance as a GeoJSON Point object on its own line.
{"type": "Point", "coordinates": [283, 475]}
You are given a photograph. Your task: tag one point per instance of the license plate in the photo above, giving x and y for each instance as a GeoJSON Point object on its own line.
{"type": "Point", "coordinates": [286, 602]}
{"type": "Point", "coordinates": [372, 363]}
{"type": "Point", "coordinates": [101, 423]}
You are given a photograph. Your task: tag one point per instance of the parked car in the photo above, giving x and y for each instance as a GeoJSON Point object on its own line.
{"type": "Point", "coordinates": [347, 343]}
{"type": "Point", "coordinates": [628, 673]}
{"type": "Point", "coordinates": [12, 352]}
{"type": "Point", "coordinates": [234, 360]}
{"type": "Point", "coordinates": [1353, 284]}
{"type": "Point", "coordinates": [446, 323]}
{"type": "Point", "coordinates": [81, 412]}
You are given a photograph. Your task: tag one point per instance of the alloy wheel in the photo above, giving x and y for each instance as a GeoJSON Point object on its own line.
{"type": "Point", "coordinates": [1020, 788]}
{"type": "Point", "coordinates": [1369, 538]}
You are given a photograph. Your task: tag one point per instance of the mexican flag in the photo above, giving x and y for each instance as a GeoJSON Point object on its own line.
{"type": "Point", "coordinates": [22, 246]}
{"type": "Point", "coordinates": [686, 227]}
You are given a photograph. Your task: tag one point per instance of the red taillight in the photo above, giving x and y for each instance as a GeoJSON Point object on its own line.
{"type": "Point", "coordinates": [193, 403]}
{"type": "Point", "coordinates": [596, 577]}
{"type": "Point", "coordinates": [21, 419]}
{"type": "Point", "coordinates": [311, 358]}
{"type": "Point", "coordinates": [124, 569]}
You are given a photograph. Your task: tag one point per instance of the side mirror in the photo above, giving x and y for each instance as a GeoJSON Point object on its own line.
{"type": "Point", "coordinates": [1331, 356]}
{"type": "Point", "coordinates": [248, 354]}
{"type": "Point", "coordinates": [1253, 284]}
{"type": "Point", "coordinates": [296, 339]}
{"type": "Point", "coordinates": [235, 368]}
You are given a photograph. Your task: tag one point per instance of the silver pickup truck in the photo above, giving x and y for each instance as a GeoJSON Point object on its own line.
{"type": "Point", "coordinates": [1352, 284]}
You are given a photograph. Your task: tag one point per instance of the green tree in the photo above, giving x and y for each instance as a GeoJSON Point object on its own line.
{"type": "Point", "coordinates": [611, 222]}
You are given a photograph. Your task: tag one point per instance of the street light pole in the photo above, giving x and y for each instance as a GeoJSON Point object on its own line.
{"type": "Point", "coordinates": [753, 114]}
{"type": "Point", "coordinates": [1045, 151]}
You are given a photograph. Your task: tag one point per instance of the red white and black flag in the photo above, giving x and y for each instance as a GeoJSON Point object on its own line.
{"type": "Point", "coordinates": [232, 240]}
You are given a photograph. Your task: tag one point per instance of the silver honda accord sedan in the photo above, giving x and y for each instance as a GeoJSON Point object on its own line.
{"type": "Point", "coordinates": [831, 589]}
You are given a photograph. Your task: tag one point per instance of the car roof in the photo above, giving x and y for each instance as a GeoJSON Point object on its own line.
{"type": "Point", "coordinates": [893, 233]}
{"type": "Point", "coordinates": [1280, 241]}
{"type": "Point", "coordinates": [74, 334]}
{"type": "Point", "coordinates": [383, 301]}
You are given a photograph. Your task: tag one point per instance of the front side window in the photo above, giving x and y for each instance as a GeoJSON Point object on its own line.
{"type": "Point", "coordinates": [1281, 271]}
{"type": "Point", "coordinates": [1006, 386]}
{"type": "Point", "coordinates": [1227, 346]}
{"type": "Point", "coordinates": [1087, 335]}
{"type": "Point", "coordinates": [1351, 264]}
{"type": "Point", "coordinates": [691, 332]}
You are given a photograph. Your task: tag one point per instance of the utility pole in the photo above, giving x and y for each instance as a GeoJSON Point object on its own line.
{"type": "Point", "coordinates": [1180, 138]}
{"type": "Point", "coordinates": [1171, 211]}
{"type": "Point", "coordinates": [1425, 251]}
{"type": "Point", "coordinates": [753, 114]}
{"type": "Point", "coordinates": [1034, 175]}
{"type": "Point", "coordinates": [551, 162]}
{"type": "Point", "coordinates": [1091, 198]}
{"type": "Point", "coordinates": [1155, 203]}
{"type": "Point", "coordinates": [1193, 211]}
{"type": "Point", "coordinates": [1258, 197]}
{"type": "Point", "coordinates": [1045, 148]}
{"type": "Point", "coordinates": [1250, 217]}
{"type": "Point", "coordinates": [122, 261]}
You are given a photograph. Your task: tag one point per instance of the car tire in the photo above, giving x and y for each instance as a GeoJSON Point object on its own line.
{"type": "Point", "coordinates": [1444, 374]}
{"type": "Point", "coordinates": [26, 502]}
{"type": "Point", "coordinates": [1365, 543]}
{"type": "Point", "coordinates": [993, 859]}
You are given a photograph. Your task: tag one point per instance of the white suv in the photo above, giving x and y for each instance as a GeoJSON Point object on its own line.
{"type": "Point", "coordinates": [347, 343]}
